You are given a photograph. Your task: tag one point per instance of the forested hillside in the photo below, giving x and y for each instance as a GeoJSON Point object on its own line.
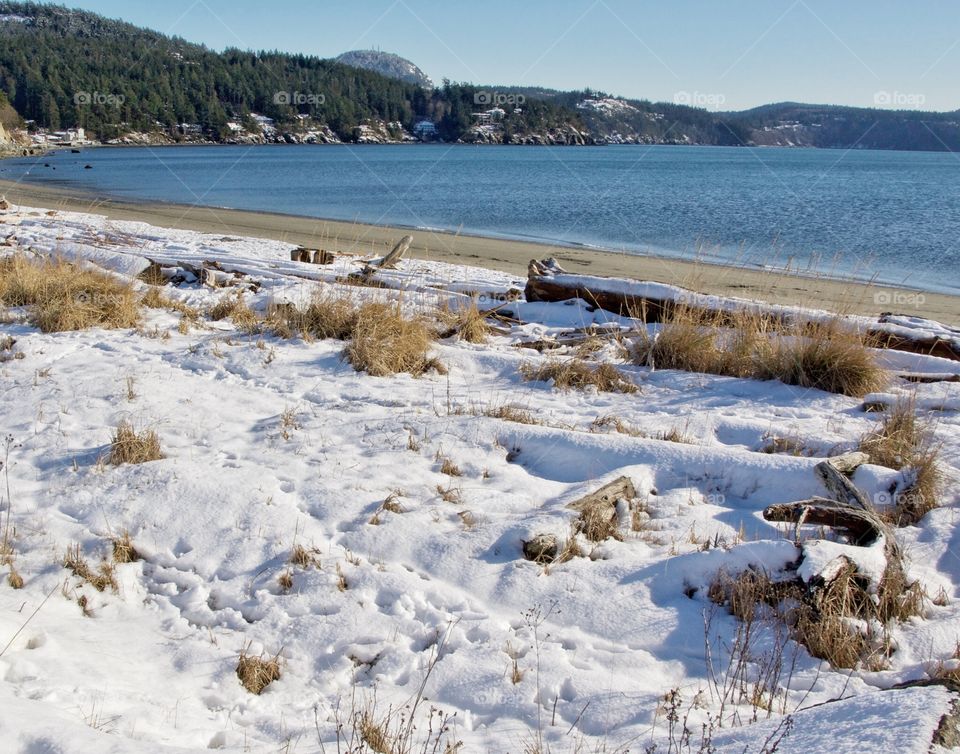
{"type": "Point", "coordinates": [63, 69]}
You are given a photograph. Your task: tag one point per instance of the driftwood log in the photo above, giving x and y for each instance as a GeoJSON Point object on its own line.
{"type": "Point", "coordinates": [396, 254]}
{"type": "Point", "coordinates": [311, 256]}
{"type": "Point", "coordinates": [607, 496]}
{"type": "Point", "coordinates": [862, 527]}
{"type": "Point", "coordinates": [928, 378]}
{"type": "Point", "coordinates": [832, 473]}
{"type": "Point", "coordinates": [543, 284]}
{"type": "Point", "coordinates": [848, 511]}
{"type": "Point", "coordinates": [388, 262]}
{"type": "Point", "coordinates": [600, 505]}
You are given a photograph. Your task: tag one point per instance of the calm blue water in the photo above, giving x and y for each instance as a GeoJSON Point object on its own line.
{"type": "Point", "coordinates": [894, 216]}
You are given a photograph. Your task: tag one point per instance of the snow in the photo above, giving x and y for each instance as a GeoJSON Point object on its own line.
{"type": "Point", "coordinates": [607, 105]}
{"type": "Point", "coordinates": [438, 590]}
{"type": "Point", "coordinates": [825, 559]}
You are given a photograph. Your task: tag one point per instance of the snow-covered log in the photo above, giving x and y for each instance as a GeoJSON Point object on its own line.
{"type": "Point", "coordinates": [655, 302]}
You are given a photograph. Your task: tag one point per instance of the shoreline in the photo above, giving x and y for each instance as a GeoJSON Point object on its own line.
{"type": "Point", "coordinates": [508, 255]}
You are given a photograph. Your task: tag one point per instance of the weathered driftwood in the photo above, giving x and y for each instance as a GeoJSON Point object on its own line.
{"type": "Point", "coordinates": [608, 495]}
{"type": "Point", "coordinates": [928, 345]}
{"type": "Point", "coordinates": [847, 463]}
{"type": "Point", "coordinates": [831, 473]}
{"type": "Point", "coordinates": [928, 378]}
{"type": "Point", "coordinates": [391, 259]}
{"type": "Point", "coordinates": [369, 269]}
{"type": "Point", "coordinates": [599, 518]}
{"type": "Point", "coordinates": [863, 527]}
{"type": "Point", "coordinates": [545, 288]}
{"type": "Point", "coordinates": [311, 256]}
{"type": "Point", "coordinates": [608, 294]}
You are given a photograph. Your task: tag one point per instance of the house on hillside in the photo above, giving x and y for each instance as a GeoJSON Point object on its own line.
{"type": "Point", "coordinates": [489, 117]}
{"type": "Point", "coordinates": [425, 130]}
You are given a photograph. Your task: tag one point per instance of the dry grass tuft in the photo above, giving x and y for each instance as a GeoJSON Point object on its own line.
{"type": "Point", "coordinates": [392, 503]}
{"type": "Point", "coordinates": [326, 316]}
{"type": "Point", "coordinates": [578, 374]}
{"type": "Point", "coordinates": [374, 733]}
{"type": "Point", "coordinates": [303, 558]}
{"type": "Point", "coordinates": [598, 523]}
{"type": "Point", "coordinates": [905, 443]}
{"type": "Point", "coordinates": [470, 324]}
{"type": "Point", "coordinates": [234, 307]}
{"type": "Point", "coordinates": [62, 296]}
{"type": "Point", "coordinates": [511, 414]}
{"type": "Point", "coordinates": [289, 423]}
{"type": "Point", "coordinates": [153, 276]}
{"type": "Point", "coordinates": [449, 468]}
{"type": "Point", "coordinates": [449, 494]}
{"type": "Point", "coordinates": [384, 341]}
{"type": "Point", "coordinates": [129, 446]}
{"type": "Point", "coordinates": [124, 550]}
{"type": "Point", "coordinates": [100, 579]}
{"type": "Point", "coordinates": [14, 579]}
{"type": "Point", "coordinates": [571, 549]}
{"type": "Point", "coordinates": [826, 355]}
{"type": "Point", "coordinates": [674, 434]}
{"type": "Point", "coordinates": [686, 341]}
{"type": "Point", "coordinates": [516, 673]}
{"type": "Point", "coordinates": [256, 673]}
{"type": "Point", "coordinates": [606, 422]}
{"type": "Point", "coordinates": [612, 421]}
{"type": "Point", "coordinates": [285, 581]}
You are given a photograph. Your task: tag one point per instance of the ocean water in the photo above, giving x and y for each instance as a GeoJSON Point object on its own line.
{"type": "Point", "coordinates": [889, 216]}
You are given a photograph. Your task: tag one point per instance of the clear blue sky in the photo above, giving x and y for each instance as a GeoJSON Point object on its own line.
{"type": "Point", "coordinates": [733, 55]}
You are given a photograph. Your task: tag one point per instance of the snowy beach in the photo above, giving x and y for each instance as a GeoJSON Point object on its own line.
{"type": "Point", "coordinates": [367, 532]}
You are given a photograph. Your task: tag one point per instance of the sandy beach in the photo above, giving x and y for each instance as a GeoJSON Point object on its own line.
{"type": "Point", "coordinates": [827, 292]}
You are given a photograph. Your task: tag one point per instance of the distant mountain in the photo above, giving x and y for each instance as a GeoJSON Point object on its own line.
{"type": "Point", "coordinates": [839, 127]}
{"type": "Point", "coordinates": [386, 64]}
